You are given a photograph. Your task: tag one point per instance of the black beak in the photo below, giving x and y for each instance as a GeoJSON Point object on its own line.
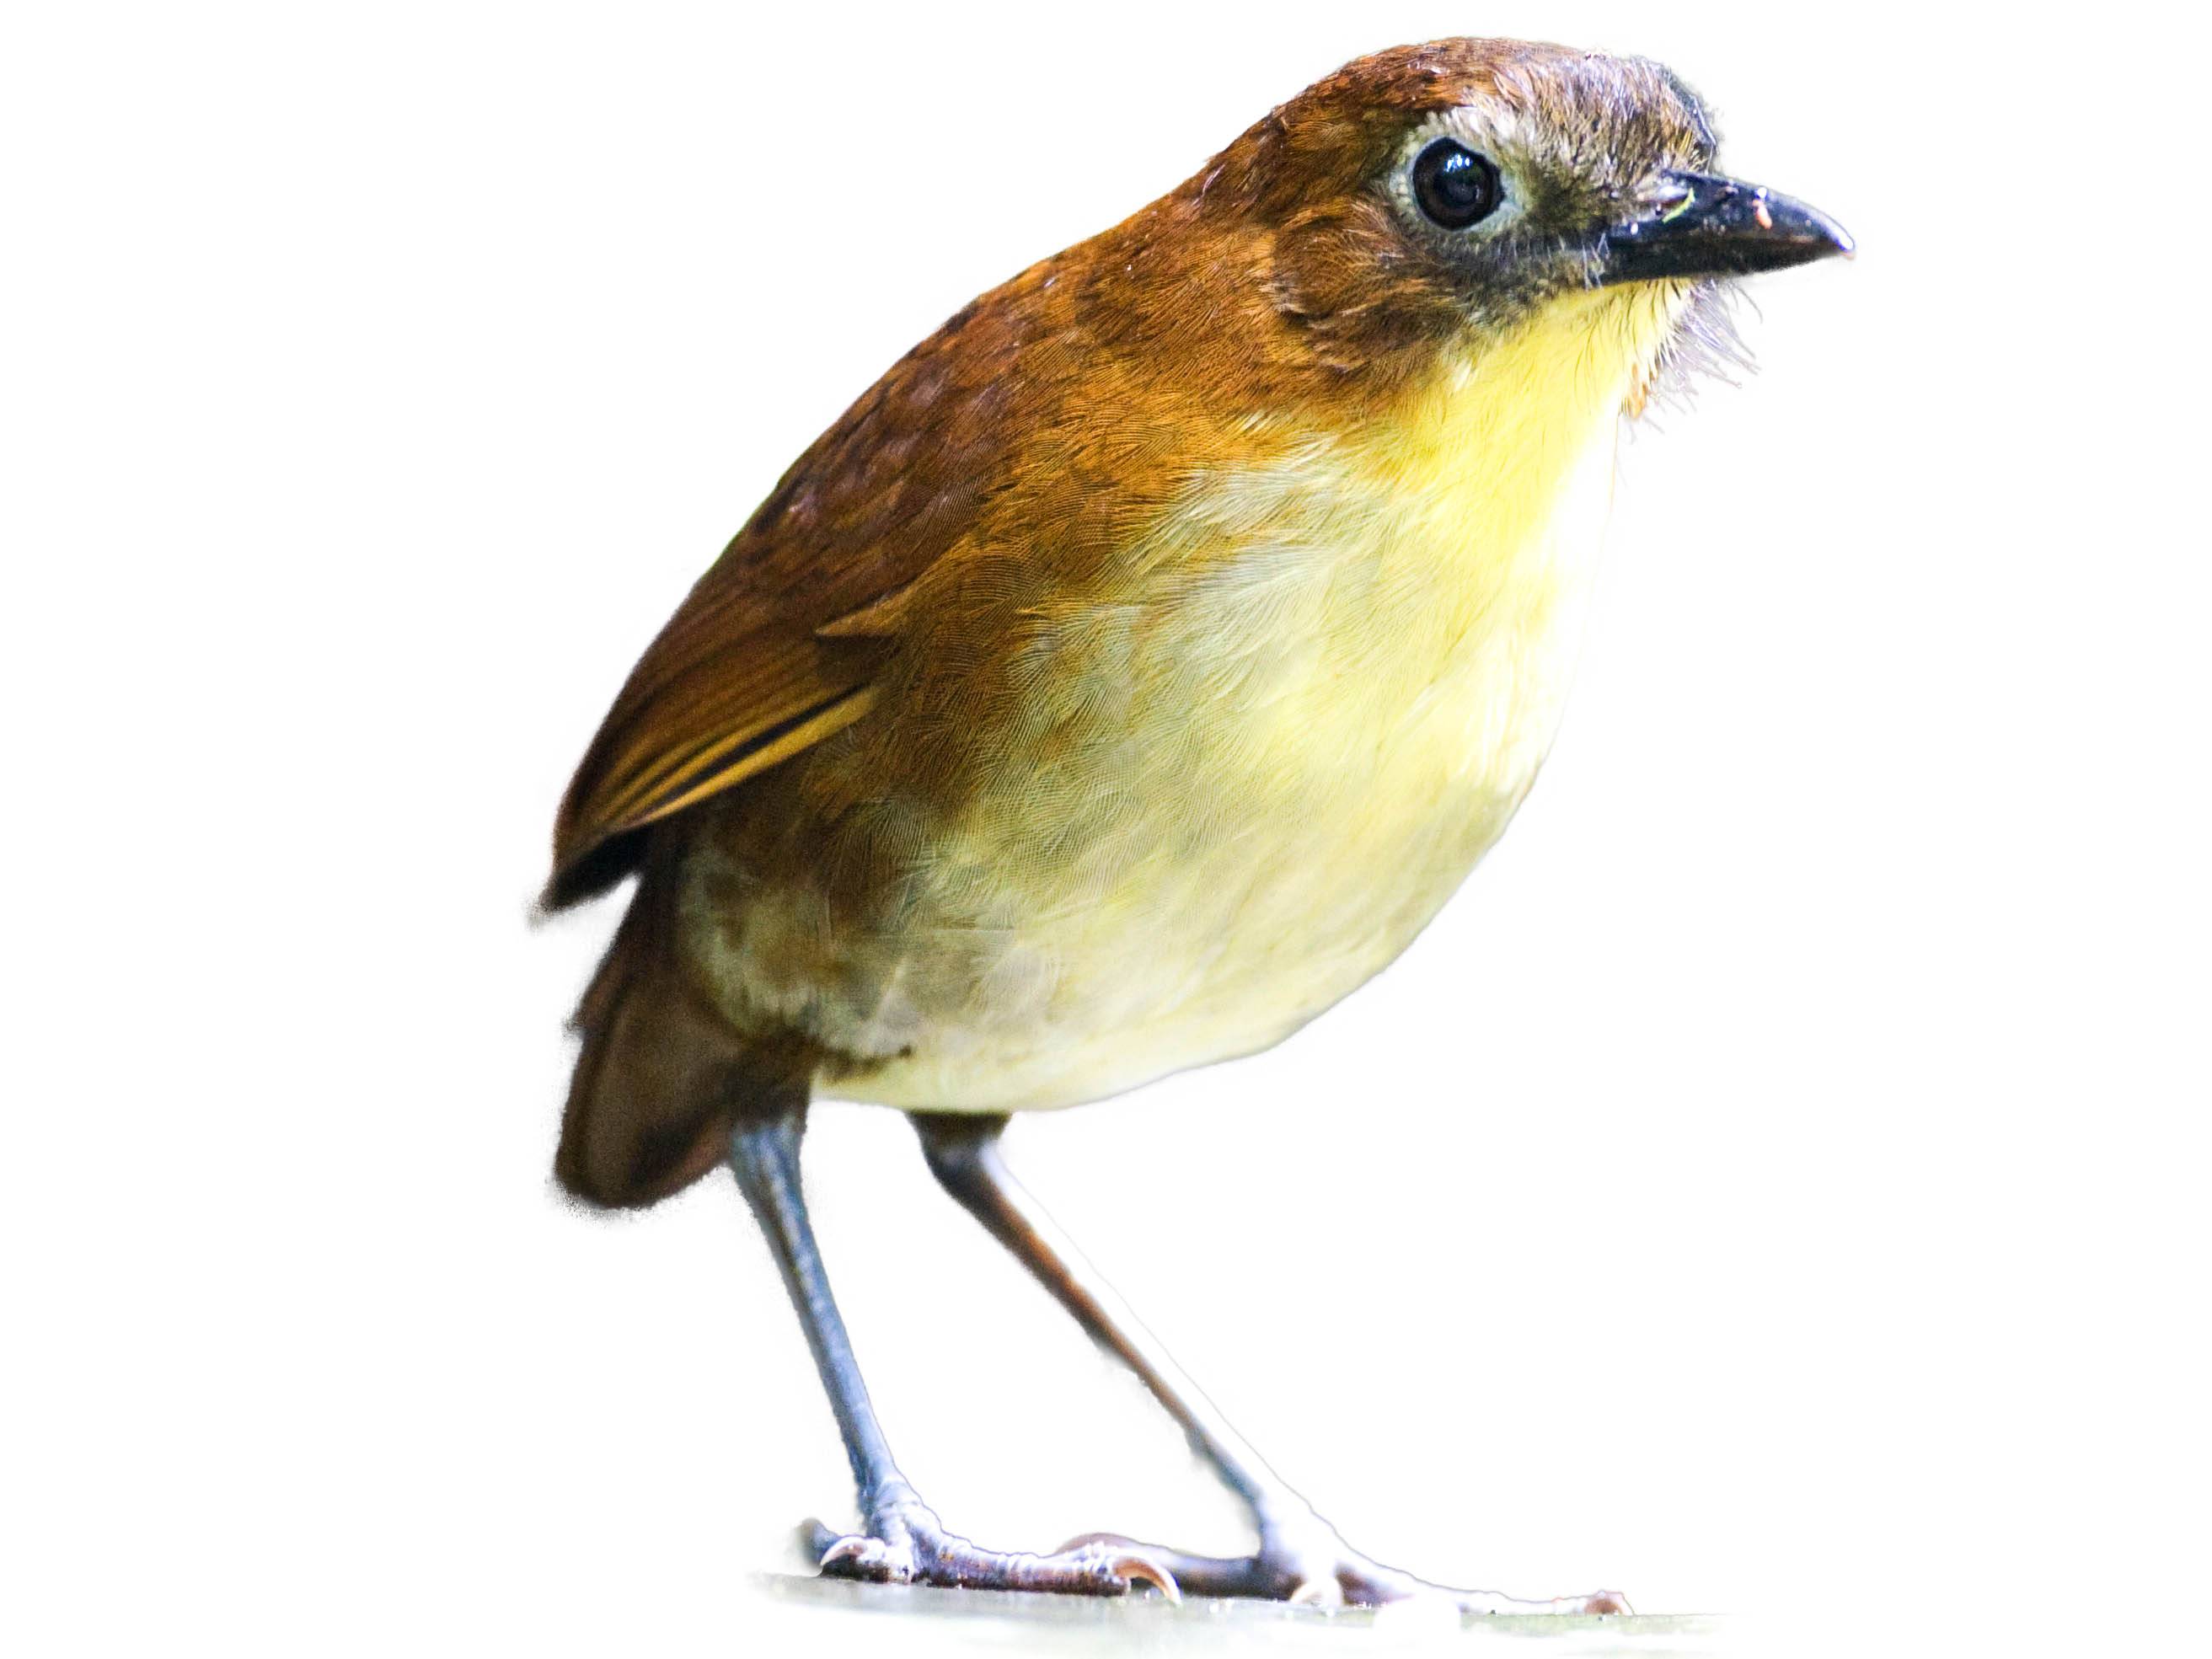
{"type": "Point", "coordinates": [1718, 227]}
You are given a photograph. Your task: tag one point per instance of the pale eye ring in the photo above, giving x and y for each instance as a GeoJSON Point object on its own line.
{"type": "Point", "coordinates": [1455, 186]}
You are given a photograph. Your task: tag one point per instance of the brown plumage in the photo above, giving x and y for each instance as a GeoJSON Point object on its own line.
{"type": "Point", "coordinates": [1132, 672]}
{"type": "Point", "coordinates": [875, 615]}
{"type": "Point", "coordinates": [1065, 403]}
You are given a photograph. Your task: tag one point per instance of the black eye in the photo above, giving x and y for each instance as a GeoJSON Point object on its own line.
{"type": "Point", "coordinates": [1455, 186]}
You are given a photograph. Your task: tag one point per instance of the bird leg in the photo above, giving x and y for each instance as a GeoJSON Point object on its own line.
{"type": "Point", "coordinates": [901, 1541]}
{"type": "Point", "coordinates": [1301, 1557]}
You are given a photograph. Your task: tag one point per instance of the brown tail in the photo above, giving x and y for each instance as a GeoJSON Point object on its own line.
{"type": "Point", "coordinates": [661, 1078]}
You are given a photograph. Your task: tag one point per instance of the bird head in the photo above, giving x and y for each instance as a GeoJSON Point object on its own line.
{"type": "Point", "coordinates": [1432, 192]}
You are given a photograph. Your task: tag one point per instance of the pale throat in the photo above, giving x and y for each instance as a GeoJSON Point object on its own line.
{"type": "Point", "coordinates": [1448, 549]}
{"type": "Point", "coordinates": [1501, 431]}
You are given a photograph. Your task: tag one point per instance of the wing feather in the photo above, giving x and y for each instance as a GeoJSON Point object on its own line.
{"type": "Point", "coordinates": [777, 645]}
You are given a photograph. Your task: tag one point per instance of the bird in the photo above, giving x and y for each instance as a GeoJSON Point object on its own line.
{"type": "Point", "coordinates": [1131, 674]}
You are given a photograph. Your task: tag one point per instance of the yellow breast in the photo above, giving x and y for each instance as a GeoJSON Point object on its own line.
{"type": "Point", "coordinates": [1273, 765]}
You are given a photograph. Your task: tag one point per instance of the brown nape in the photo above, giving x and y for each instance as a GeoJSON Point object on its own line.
{"type": "Point", "coordinates": [661, 1078]}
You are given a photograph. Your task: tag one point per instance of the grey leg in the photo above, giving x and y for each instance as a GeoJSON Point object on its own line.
{"type": "Point", "coordinates": [1301, 1557]}
{"type": "Point", "coordinates": [903, 1540]}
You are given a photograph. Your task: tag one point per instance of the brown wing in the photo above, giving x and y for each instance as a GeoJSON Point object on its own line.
{"type": "Point", "coordinates": [753, 668]}
{"type": "Point", "coordinates": [1033, 410]}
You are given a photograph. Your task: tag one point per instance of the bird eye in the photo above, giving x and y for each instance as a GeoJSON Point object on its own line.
{"type": "Point", "coordinates": [1455, 186]}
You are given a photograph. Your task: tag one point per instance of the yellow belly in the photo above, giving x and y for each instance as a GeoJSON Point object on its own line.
{"type": "Point", "coordinates": [1288, 750]}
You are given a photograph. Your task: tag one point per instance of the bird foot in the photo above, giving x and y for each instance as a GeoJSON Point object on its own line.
{"type": "Point", "coordinates": [1304, 1561]}
{"type": "Point", "coordinates": [906, 1544]}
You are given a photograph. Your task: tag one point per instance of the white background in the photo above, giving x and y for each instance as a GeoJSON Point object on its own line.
{"type": "Point", "coordinates": [1773, 1184]}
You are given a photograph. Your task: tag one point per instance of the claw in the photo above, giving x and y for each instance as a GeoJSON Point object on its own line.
{"type": "Point", "coordinates": [850, 1548]}
{"type": "Point", "coordinates": [1321, 1591]}
{"type": "Point", "coordinates": [1141, 1569]}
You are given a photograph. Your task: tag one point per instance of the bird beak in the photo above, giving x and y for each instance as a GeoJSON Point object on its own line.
{"type": "Point", "coordinates": [1709, 227]}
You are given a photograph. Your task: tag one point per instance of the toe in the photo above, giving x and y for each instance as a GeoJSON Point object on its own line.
{"type": "Point", "coordinates": [1121, 1559]}
{"type": "Point", "coordinates": [856, 1556]}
